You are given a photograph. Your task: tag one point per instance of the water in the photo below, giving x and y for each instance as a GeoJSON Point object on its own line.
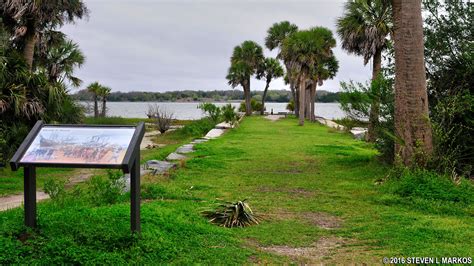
{"type": "Point", "coordinates": [186, 111]}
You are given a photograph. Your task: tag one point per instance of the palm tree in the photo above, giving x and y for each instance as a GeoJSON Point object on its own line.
{"type": "Point", "coordinates": [61, 60]}
{"type": "Point", "coordinates": [304, 50]}
{"type": "Point", "coordinates": [412, 124]}
{"type": "Point", "coordinates": [326, 68]}
{"type": "Point", "coordinates": [271, 69]}
{"type": "Point", "coordinates": [274, 39]}
{"type": "Point", "coordinates": [29, 19]}
{"type": "Point", "coordinates": [246, 60]}
{"type": "Point", "coordinates": [94, 88]}
{"type": "Point", "coordinates": [103, 93]}
{"type": "Point", "coordinates": [364, 29]}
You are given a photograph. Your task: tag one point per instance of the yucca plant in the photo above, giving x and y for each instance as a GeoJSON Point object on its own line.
{"type": "Point", "coordinates": [230, 214]}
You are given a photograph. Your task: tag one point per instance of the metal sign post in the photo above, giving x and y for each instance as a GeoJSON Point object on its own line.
{"type": "Point", "coordinates": [80, 146]}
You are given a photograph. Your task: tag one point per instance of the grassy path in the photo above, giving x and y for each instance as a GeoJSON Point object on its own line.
{"type": "Point", "coordinates": [313, 186]}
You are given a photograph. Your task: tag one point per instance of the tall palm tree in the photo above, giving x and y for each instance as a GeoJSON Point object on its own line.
{"type": "Point", "coordinates": [28, 19]}
{"type": "Point", "coordinates": [246, 61]}
{"type": "Point", "coordinates": [275, 35]}
{"type": "Point", "coordinates": [61, 61]}
{"type": "Point", "coordinates": [271, 69]}
{"type": "Point", "coordinates": [364, 29]}
{"type": "Point", "coordinates": [104, 92]}
{"type": "Point", "coordinates": [325, 69]}
{"type": "Point", "coordinates": [94, 88]}
{"type": "Point", "coordinates": [412, 124]}
{"type": "Point", "coordinates": [304, 50]}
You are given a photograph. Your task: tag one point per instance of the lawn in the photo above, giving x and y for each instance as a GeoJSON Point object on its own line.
{"type": "Point", "coordinates": [314, 188]}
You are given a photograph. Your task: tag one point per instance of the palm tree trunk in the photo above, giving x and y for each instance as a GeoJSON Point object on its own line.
{"type": "Point", "coordinates": [264, 96]}
{"type": "Point", "coordinates": [412, 124]}
{"type": "Point", "coordinates": [104, 108]}
{"type": "Point", "coordinates": [248, 107]}
{"type": "Point", "coordinates": [375, 105]}
{"type": "Point", "coordinates": [313, 100]}
{"type": "Point", "coordinates": [307, 104]}
{"type": "Point", "coordinates": [297, 98]}
{"type": "Point", "coordinates": [29, 47]}
{"type": "Point", "coordinates": [96, 106]}
{"type": "Point", "coordinates": [302, 93]}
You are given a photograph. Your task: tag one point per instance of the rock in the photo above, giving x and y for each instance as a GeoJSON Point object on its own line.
{"type": "Point", "coordinates": [175, 156]}
{"type": "Point", "coordinates": [126, 179]}
{"type": "Point", "coordinates": [197, 141]}
{"type": "Point", "coordinates": [359, 133]}
{"type": "Point", "coordinates": [223, 125]}
{"type": "Point", "coordinates": [185, 148]}
{"type": "Point", "coordinates": [214, 133]}
{"type": "Point", "coordinates": [158, 167]}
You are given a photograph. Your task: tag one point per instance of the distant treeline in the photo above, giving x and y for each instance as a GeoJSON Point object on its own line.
{"type": "Point", "coordinates": [201, 96]}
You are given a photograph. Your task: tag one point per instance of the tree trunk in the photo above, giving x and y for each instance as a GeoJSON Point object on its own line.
{"type": "Point", "coordinates": [313, 100]}
{"type": "Point", "coordinates": [412, 124]}
{"type": "Point", "coordinates": [302, 92]}
{"type": "Point", "coordinates": [264, 96]}
{"type": "Point", "coordinates": [375, 105]}
{"type": "Point", "coordinates": [104, 108]}
{"type": "Point", "coordinates": [307, 104]}
{"type": "Point", "coordinates": [293, 95]}
{"type": "Point", "coordinates": [297, 98]}
{"type": "Point", "coordinates": [248, 106]}
{"type": "Point", "coordinates": [29, 47]}
{"type": "Point", "coordinates": [96, 106]}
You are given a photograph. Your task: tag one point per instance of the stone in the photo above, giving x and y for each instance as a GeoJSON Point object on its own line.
{"type": "Point", "coordinates": [126, 179]}
{"type": "Point", "coordinates": [197, 141]}
{"type": "Point", "coordinates": [359, 133]}
{"type": "Point", "coordinates": [175, 156]}
{"type": "Point", "coordinates": [223, 125]}
{"type": "Point", "coordinates": [158, 167]}
{"type": "Point", "coordinates": [214, 133]}
{"type": "Point", "coordinates": [188, 148]}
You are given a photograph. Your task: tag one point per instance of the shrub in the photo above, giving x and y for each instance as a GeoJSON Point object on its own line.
{"type": "Point", "coordinates": [291, 106]}
{"type": "Point", "coordinates": [197, 128]}
{"type": "Point", "coordinates": [211, 111]}
{"type": "Point", "coordinates": [161, 118]}
{"type": "Point", "coordinates": [108, 190]}
{"type": "Point", "coordinates": [55, 189]}
{"type": "Point", "coordinates": [230, 214]}
{"type": "Point", "coordinates": [228, 114]}
{"type": "Point", "coordinates": [255, 105]}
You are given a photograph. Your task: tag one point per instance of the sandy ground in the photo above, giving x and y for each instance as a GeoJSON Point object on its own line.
{"type": "Point", "coordinates": [274, 117]}
{"type": "Point", "coordinates": [14, 201]}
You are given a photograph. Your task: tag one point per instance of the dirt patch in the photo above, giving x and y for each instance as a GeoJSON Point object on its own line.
{"type": "Point", "coordinates": [317, 252]}
{"type": "Point", "coordinates": [321, 219]}
{"type": "Point", "coordinates": [274, 118]}
{"type": "Point", "coordinates": [79, 177]}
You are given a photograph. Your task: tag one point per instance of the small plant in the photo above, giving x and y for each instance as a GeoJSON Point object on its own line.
{"type": "Point", "coordinates": [211, 110]}
{"type": "Point", "coordinates": [230, 215]}
{"type": "Point", "coordinates": [162, 118]}
{"type": "Point", "coordinates": [291, 106]}
{"type": "Point", "coordinates": [229, 114]}
{"type": "Point", "coordinates": [255, 105]}
{"type": "Point", "coordinates": [55, 189]}
{"type": "Point", "coordinates": [106, 190]}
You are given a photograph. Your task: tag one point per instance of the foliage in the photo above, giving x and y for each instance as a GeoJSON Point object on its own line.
{"type": "Point", "coordinates": [107, 190]}
{"type": "Point", "coordinates": [449, 57]}
{"type": "Point", "coordinates": [211, 110]}
{"type": "Point", "coordinates": [356, 99]}
{"type": "Point", "coordinates": [230, 215]}
{"type": "Point", "coordinates": [228, 114]}
{"type": "Point", "coordinates": [291, 106]}
{"type": "Point", "coordinates": [197, 128]}
{"type": "Point", "coordinates": [55, 189]}
{"type": "Point", "coordinates": [161, 118]}
{"type": "Point", "coordinates": [255, 106]}
{"type": "Point", "coordinates": [365, 26]}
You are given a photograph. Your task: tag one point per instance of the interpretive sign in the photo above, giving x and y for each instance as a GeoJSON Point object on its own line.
{"type": "Point", "coordinates": [80, 146]}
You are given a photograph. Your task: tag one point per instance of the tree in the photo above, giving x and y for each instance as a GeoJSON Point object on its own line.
{"type": "Point", "coordinates": [104, 93]}
{"type": "Point", "coordinates": [304, 50]}
{"type": "Point", "coordinates": [94, 89]}
{"type": "Point", "coordinates": [61, 60]}
{"type": "Point", "coordinates": [364, 29]}
{"type": "Point", "coordinates": [326, 68]}
{"type": "Point", "coordinates": [274, 39]}
{"type": "Point", "coordinates": [271, 69]}
{"type": "Point", "coordinates": [412, 125]}
{"type": "Point", "coordinates": [246, 60]}
{"type": "Point", "coordinates": [29, 19]}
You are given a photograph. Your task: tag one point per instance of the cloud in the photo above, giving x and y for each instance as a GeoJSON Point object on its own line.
{"type": "Point", "coordinates": [184, 44]}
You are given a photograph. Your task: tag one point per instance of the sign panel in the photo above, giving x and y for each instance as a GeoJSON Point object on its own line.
{"type": "Point", "coordinates": [79, 145]}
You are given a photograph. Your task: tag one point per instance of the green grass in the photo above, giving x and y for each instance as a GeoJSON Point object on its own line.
{"type": "Point", "coordinates": [288, 173]}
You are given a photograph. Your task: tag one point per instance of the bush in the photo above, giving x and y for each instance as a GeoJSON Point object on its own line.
{"type": "Point", "coordinates": [197, 128]}
{"type": "Point", "coordinates": [211, 111]}
{"type": "Point", "coordinates": [255, 105]}
{"type": "Point", "coordinates": [108, 190]}
{"type": "Point", "coordinates": [55, 189]}
{"type": "Point", "coordinates": [161, 118]}
{"type": "Point", "coordinates": [228, 114]}
{"type": "Point", "coordinates": [291, 106]}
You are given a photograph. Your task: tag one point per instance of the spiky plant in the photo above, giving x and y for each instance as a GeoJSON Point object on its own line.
{"type": "Point", "coordinates": [238, 214]}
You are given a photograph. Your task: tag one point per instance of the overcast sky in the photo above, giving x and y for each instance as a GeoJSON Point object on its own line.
{"type": "Point", "coordinates": [186, 44]}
